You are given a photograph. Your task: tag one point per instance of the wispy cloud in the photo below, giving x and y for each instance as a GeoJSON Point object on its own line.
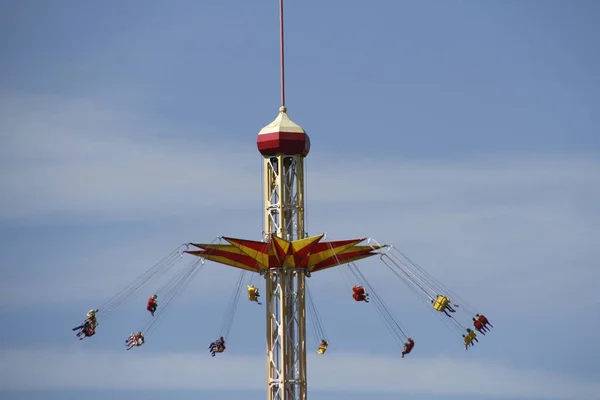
{"type": "Point", "coordinates": [82, 159]}
{"type": "Point", "coordinates": [437, 376]}
{"type": "Point", "coordinates": [502, 217]}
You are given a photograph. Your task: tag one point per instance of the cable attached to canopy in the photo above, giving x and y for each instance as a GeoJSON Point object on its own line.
{"type": "Point", "coordinates": [318, 329]}
{"type": "Point", "coordinates": [428, 289]}
{"type": "Point", "coordinates": [384, 311]}
{"type": "Point", "coordinates": [174, 288]}
{"type": "Point", "coordinates": [232, 307]}
{"type": "Point", "coordinates": [391, 322]}
{"type": "Point", "coordinates": [129, 290]}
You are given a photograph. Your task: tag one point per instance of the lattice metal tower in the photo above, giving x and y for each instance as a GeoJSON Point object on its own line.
{"type": "Point", "coordinates": [284, 146]}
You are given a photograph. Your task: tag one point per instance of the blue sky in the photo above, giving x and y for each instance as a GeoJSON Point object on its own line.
{"type": "Point", "coordinates": [464, 132]}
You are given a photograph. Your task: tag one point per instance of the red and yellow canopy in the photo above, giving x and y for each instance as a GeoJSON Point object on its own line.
{"type": "Point", "coordinates": [309, 253]}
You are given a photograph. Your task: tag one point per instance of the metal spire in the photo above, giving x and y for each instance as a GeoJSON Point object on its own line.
{"type": "Point", "coordinates": [281, 54]}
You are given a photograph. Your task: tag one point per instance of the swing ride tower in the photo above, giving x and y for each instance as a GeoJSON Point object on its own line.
{"type": "Point", "coordinates": [284, 145]}
{"type": "Point", "coordinates": [285, 257]}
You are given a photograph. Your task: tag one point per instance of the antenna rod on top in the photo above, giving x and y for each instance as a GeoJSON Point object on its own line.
{"type": "Point", "coordinates": [281, 58]}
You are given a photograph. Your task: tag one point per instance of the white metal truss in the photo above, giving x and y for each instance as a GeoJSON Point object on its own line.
{"type": "Point", "coordinates": [284, 196]}
{"type": "Point", "coordinates": [285, 286]}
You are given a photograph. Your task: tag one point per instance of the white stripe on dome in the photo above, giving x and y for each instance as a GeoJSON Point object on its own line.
{"type": "Point", "coordinates": [282, 123]}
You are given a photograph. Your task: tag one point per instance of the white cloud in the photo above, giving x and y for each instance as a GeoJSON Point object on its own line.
{"type": "Point", "coordinates": [518, 222]}
{"type": "Point", "coordinates": [48, 368]}
{"type": "Point", "coordinates": [79, 158]}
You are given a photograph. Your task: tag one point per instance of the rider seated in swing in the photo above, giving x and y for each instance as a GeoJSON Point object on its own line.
{"type": "Point", "coordinates": [323, 346]}
{"type": "Point", "coordinates": [443, 304]}
{"type": "Point", "coordinates": [218, 346]}
{"type": "Point", "coordinates": [408, 346]}
{"type": "Point", "coordinates": [468, 341]}
{"type": "Point", "coordinates": [479, 326]}
{"type": "Point", "coordinates": [152, 305]}
{"type": "Point", "coordinates": [484, 321]}
{"type": "Point", "coordinates": [472, 334]}
{"type": "Point", "coordinates": [88, 327]}
{"type": "Point", "coordinates": [135, 340]}
{"type": "Point", "coordinates": [359, 294]}
{"type": "Point", "coordinates": [253, 294]}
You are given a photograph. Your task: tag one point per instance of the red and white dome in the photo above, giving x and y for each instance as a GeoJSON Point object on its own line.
{"type": "Point", "coordinates": [283, 136]}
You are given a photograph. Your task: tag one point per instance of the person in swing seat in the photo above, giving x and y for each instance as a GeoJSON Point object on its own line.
{"type": "Point", "coordinates": [253, 294]}
{"type": "Point", "coordinates": [479, 326]}
{"type": "Point", "coordinates": [359, 294]}
{"type": "Point", "coordinates": [135, 340]}
{"type": "Point", "coordinates": [408, 346]}
{"type": "Point", "coordinates": [472, 335]}
{"type": "Point", "coordinates": [323, 346]}
{"type": "Point", "coordinates": [468, 341]}
{"type": "Point", "coordinates": [443, 304]}
{"type": "Point", "coordinates": [152, 305]}
{"type": "Point", "coordinates": [88, 327]}
{"type": "Point", "coordinates": [218, 346]}
{"type": "Point", "coordinates": [484, 321]}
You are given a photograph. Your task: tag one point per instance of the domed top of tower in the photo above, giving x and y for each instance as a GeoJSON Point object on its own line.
{"type": "Point", "coordinates": [283, 136]}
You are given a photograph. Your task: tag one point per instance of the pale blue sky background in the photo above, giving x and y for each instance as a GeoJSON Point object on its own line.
{"type": "Point", "coordinates": [463, 132]}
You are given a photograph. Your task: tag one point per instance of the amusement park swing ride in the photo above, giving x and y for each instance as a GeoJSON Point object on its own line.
{"type": "Point", "coordinates": [286, 259]}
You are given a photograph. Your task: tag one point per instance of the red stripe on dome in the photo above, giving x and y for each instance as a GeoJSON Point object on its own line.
{"type": "Point", "coordinates": [283, 142]}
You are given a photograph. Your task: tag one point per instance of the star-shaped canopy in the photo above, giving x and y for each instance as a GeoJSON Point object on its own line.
{"type": "Point", "coordinates": [309, 253]}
